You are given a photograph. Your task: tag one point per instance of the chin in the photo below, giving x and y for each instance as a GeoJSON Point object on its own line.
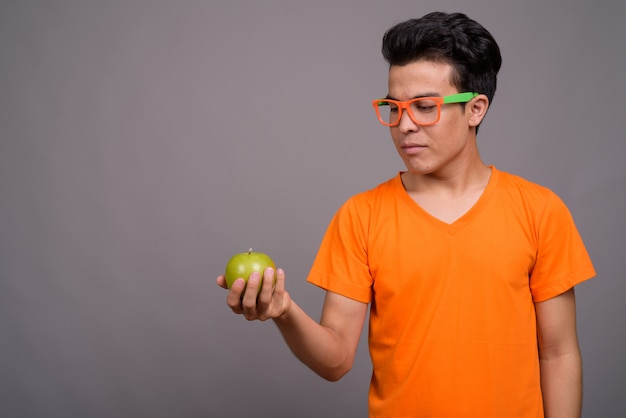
{"type": "Point", "coordinates": [419, 170]}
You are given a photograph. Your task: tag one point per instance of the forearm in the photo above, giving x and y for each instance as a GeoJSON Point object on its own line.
{"type": "Point", "coordinates": [318, 347]}
{"type": "Point", "coordinates": [327, 347]}
{"type": "Point", "coordinates": [561, 384]}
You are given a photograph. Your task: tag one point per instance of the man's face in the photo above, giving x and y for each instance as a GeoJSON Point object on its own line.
{"type": "Point", "coordinates": [439, 148]}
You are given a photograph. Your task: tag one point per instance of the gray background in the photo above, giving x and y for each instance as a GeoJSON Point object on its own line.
{"type": "Point", "coordinates": [143, 143]}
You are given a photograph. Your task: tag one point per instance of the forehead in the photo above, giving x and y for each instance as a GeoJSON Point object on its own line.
{"type": "Point", "coordinates": [419, 78]}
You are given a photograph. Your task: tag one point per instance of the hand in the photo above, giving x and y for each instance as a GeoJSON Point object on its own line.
{"type": "Point", "coordinates": [271, 302]}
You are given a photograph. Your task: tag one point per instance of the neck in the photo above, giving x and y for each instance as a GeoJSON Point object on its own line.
{"type": "Point", "coordinates": [448, 198]}
{"type": "Point", "coordinates": [451, 182]}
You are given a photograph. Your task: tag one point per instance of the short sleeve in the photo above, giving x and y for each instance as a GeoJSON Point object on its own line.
{"type": "Point", "coordinates": [562, 260]}
{"type": "Point", "coordinates": [341, 265]}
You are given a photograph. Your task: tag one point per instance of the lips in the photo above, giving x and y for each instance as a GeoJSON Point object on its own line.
{"type": "Point", "coordinates": [412, 149]}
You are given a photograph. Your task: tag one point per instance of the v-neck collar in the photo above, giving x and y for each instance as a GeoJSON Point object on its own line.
{"type": "Point", "coordinates": [460, 222]}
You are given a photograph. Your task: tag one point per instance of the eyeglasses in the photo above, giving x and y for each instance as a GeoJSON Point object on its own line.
{"type": "Point", "coordinates": [423, 111]}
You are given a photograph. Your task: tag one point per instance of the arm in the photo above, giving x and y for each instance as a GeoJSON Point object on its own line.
{"type": "Point", "coordinates": [327, 347]}
{"type": "Point", "coordinates": [559, 356]}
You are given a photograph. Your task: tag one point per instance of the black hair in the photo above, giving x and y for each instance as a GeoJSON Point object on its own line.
{"type": "Point", "coordinates": [451, 38]}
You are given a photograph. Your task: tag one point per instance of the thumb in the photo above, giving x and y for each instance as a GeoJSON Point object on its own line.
{"type": "Point", "coordinates": [221, 281]}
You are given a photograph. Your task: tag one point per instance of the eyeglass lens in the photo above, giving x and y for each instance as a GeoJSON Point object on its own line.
{"type": "Point", "coordinates": [423, 111]}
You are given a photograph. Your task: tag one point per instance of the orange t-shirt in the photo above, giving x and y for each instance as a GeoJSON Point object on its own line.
{"type": "Point", "coordinates": [452, 328]}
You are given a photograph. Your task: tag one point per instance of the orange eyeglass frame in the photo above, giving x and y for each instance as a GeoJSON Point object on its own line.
{"type": "Point", "coordinates": [453, 98]}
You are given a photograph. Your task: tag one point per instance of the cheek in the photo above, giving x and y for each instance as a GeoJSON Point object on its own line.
{"type": "Point", "coordinates": [453, 132]}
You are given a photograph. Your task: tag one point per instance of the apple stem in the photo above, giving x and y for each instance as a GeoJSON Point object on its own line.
{"type": "Point", "coordinates": [249, 250]}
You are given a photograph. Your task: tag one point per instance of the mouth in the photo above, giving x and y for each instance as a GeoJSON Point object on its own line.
{"type": "Point", "coordinates": [412, 149]}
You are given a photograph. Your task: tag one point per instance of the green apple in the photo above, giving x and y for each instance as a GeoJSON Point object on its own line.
{"type": "Point", "coordinates": [243, 264]}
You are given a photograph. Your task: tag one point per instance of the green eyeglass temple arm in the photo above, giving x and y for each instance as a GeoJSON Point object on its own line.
{"type": "Point", "coordinates": [453, 98]}
{"type": "Point", "coordinates": [459, 97]}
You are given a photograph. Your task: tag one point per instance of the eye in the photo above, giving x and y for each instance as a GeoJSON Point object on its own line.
{"type": "Point", "coordinates": [425, 109]}
{"type": "Point", "coordinates": [424, 106]}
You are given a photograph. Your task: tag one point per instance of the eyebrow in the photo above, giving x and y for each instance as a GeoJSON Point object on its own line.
{"type": "Point", "coordinates": [419, 96]}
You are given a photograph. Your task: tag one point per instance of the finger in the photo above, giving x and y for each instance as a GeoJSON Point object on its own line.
{"type": "Point", "coordinates": [265, 296]}
{"type": "Point", "coordinates": [234, 296]}
{"type": "Point", "coordinates": [279, 287]}
{"type": "Point", "coordinates": [281, 297]}
{"type": "Point", "coordinates": [249, 298]}
{"type": "Point", "coordinates": [221, 281]}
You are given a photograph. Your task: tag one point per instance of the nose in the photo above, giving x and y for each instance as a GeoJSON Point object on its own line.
{"type": "Point", "coordinates": [406, 123]}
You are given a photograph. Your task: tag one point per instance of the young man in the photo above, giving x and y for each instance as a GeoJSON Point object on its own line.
{"type": "Point", "coordinates": [468, 271]}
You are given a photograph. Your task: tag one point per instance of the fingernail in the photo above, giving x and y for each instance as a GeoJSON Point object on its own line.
{"type": "Point", "coordinates": [254, 277]}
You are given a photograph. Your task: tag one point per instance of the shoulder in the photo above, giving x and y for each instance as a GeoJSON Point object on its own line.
{"type": "Point", "coordinates": [361, 206]}
{"type": "Point", "coordinates": [531, 196]}
{"type": "Point", "coordinates": [516, 186]}
{"type": "Point", "coordinates": [515, 182]}
{"type": "Point", "coordinates": [369, 197]}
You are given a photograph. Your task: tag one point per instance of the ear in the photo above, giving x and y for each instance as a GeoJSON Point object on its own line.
{"type": "Point", "coordinates": [477, 108]}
